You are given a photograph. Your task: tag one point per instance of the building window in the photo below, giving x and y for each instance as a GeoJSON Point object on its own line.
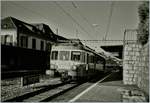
{"type": "Point", "coordinates": [5, 26]}
{"type": "Point", "coordinates": [2, 39]}
{"type": "Point", "coordinates": [83, 56]}
{"type": "Point", "coordinates": [7, 39]}
{"type": "Point", "coordinates": [42, 45]}
{"type": "Point", "coordinates": [54, 55]}
{"type": "Point", "coordinates": [90, 59]}
{"type": "Point", "coordinates": [24, 41]}
{"type": "Point", "coordinates": [33, 43]}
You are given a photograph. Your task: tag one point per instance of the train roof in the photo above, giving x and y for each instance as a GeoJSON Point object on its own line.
{"type": "Point", "coordinates": [78, 43]}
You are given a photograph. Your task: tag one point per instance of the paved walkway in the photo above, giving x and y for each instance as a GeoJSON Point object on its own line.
{"type": "Point", "coordinates": [111, 89]}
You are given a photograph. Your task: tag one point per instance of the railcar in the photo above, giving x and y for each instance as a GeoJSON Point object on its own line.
{"type": "Point", "coordinates": [75, 61]}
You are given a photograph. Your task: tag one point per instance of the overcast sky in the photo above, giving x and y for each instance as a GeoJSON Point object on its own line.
{"type": "Point", "coordinates": [86, 20]}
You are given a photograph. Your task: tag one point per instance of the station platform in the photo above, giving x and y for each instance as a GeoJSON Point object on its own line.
{"type": "Point", "coordinates": [111, 90]}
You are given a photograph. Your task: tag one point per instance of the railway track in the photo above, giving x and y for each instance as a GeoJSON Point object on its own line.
{"type": "Point", "coordinates": [44, 94]}
{"type": "Point", "coordinates": [47, 93]}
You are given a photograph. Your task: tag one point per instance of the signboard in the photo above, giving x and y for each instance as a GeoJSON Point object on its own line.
{"type": "Point", "coordinates": [30, 79]}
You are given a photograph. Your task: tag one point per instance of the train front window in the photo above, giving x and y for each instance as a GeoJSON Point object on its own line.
{"type": "Point", "coordinates": [54, 55]}
{"type": "Point", "coordinates": [75, 55]}
{"type": "Point", "coordinates": [64, 55]}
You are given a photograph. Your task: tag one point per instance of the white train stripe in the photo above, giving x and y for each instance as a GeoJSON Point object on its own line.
{"type": "Point", "coordinates": [78, 96]}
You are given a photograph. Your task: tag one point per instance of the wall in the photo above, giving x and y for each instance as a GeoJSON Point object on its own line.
{"type": "Point", "coordinates": [18, 61]}
{"type": "Point", "coordinates": [136, 65]}
{"type": "Point", "coordinates": [38, 42]}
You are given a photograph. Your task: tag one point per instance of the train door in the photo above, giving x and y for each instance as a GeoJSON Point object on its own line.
{"type": "Point", "coordinates": [87, 61]}
{"type": "Point", "coordinates": [94, 61]}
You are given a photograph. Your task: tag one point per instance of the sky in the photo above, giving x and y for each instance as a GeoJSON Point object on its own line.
{"type": "Point", "coordinates": [85, 20]}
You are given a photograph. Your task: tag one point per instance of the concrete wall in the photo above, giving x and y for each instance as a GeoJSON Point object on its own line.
{"type": "Point", "coordinates": [136, 65]}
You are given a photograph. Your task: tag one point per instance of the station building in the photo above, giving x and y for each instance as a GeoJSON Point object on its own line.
{"type": "Point", "coordinates": [18, 33]}
{"type": "Point", "coordinates": [25, 48]}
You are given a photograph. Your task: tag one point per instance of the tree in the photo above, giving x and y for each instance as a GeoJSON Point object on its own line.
{"type": "Point", "coordinates": [143, 27]}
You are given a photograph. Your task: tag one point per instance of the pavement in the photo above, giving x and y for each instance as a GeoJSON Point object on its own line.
{"type": "Point", "coordinates": [111, 89]}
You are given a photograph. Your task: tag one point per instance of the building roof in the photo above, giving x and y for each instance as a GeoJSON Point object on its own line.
{"type": "Point", "coordinates": [7, 23]}
{"type": "Point", "coordinates": [38, 30]}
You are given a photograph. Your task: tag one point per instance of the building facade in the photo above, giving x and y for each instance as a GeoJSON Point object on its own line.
{"type": "Point", "coordinates": [25, 48]}
{"type": "Point", "coordinates": [18, 33]}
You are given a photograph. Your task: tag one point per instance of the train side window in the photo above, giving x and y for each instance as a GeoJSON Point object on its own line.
{"type": "Point", "coordinates": [90, 59]}
{"type": "Point", "coordinates": [83, 57]}
{"type": "Point", "coordinates": [87, 58]}
{"type": "Point", "coordinates": [64, 55]}
{"type": "Point", "coordinates": [54, 55]}
{"type": "Point", "coordinates": [75, 55]}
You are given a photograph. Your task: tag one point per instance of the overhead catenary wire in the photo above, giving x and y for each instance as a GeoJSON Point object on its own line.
{"type": "Point", "coordinates": [74, 20]}
{"type": "Point", "coordinates": [109, 20]}
{"type": "Point", "coordinates": [84, 18]}
{"type": "Point", "coordinates": [30, 10]}
{"type": "Point", "coordinates": [36, 13]}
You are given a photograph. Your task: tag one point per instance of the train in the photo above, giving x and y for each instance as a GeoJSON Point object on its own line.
{"type": "Point", "coordinates": [76, 62]}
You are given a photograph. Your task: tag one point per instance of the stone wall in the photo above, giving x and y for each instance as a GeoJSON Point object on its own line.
{"type": "Point", "coordinates": [136, 65]}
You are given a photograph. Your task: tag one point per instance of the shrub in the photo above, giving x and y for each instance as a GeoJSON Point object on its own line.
{"type": "Point", "coordinates": [143, 27]}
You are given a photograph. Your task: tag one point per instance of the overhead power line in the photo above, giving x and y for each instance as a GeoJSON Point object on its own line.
{"type": "Point", "coordinates": [30, 10]}
{"type": "Point", "coordinates": [84, 18]}
{"type": "Point", "coordinates": [74, 20]}
{"type": "Point", "coordinates": [109, 19]}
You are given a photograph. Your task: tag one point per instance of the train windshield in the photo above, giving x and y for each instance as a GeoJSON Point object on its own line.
{"type": "Point", "coordinates": [54, 55]}
{"type": "Point", "coordinates": [75, 55]}
{"type": "Point", "coordinates": [64, 55]}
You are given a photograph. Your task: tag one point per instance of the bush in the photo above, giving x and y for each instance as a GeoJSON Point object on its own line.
{"type": "Point", "coordinates": [143, 28]}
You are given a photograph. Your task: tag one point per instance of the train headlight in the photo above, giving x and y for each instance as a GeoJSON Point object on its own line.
{"type": "Point", "coordinates": [56, 67]}
{"type": "Point", "coordinates": [53, 66]}
{"type": "Point", "coordinates": [74, 67]}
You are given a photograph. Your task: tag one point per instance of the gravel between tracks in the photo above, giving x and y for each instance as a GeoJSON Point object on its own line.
{"type": "Point", "coordinates": [9, 91]}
